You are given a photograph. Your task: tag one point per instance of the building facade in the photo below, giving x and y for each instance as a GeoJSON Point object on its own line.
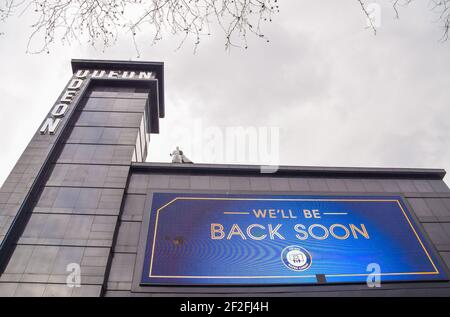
{"type": "Point", "coordinates": [75, 212]}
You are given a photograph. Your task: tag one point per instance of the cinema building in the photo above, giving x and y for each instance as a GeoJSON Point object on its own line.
{"type": "Point", "coordinates": [83, 214]}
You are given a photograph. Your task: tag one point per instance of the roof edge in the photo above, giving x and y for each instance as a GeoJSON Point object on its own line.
{"type": "Point", "coordinates": [156, 67]}
{"type": "Point", "coordinates": [340, 172]}
{"type": "Point", "coordinates": [113, 64]}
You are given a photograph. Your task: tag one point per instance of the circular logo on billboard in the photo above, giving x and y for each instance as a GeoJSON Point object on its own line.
{"type": "Point", "coordinates": [296, 258]}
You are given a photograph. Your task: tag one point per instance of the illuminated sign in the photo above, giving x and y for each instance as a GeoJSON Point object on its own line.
{"type": "Point", "coordinates": [58, 112]}
{"type": "Point", "coordinates": [214, 239]}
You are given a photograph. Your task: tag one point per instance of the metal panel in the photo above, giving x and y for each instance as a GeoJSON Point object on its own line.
{"type": "Point", "coordinates": [158, 180]}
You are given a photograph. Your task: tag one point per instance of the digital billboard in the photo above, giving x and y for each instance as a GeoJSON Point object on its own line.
{"type": "Point", "coordinates": [217, 239]}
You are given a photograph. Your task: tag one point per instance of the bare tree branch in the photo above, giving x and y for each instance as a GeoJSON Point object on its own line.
{"type": "Point", "coordinates": [440, 7]}
{"type": "Point", "coordinates": [369, 18]}
{"type": "Point", "coordinates": [103, 20]}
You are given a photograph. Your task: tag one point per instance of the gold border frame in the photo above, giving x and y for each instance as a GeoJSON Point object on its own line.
{"type": "Point", "coordinates": [436, 271]}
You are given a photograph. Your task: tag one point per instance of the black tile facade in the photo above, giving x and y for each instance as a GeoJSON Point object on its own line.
{"type": "Point", "coordinates": [127, 105]}
{"type": "Point", "coordinates": [103, 135]}
{"type": "Point", "coordinates": [429, 200]}
{"type": "Point", "coordinates": [76, 213]}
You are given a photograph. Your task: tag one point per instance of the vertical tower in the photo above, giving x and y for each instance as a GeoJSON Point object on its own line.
{"type": "Point", "coordinates": [61, 202]}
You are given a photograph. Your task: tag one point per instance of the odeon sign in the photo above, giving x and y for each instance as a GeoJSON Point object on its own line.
{"type": "Point", "coordinates": [58, 112]}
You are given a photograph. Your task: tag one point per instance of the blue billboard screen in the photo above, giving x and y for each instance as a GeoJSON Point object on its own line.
{"type": "Point", "coordinates": [217, 239]}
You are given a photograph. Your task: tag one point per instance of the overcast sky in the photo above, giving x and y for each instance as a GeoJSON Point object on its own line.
{"type": "Point", "coordinates": [339, 95]}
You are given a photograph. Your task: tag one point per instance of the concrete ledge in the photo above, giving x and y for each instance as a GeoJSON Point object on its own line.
{"type": "Point", "coordinates": [313, 171]}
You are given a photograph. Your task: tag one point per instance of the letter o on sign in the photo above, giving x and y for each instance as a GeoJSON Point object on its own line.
{"type": "Point", "coordinates": [59, 110]}
{"type": "Point", "coordinates": [340, 237]}
{"type": "Point", "coordinates": [322, 237]}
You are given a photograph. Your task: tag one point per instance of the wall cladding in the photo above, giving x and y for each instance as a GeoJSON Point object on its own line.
{"type": "Point", "coordinates": [76, 214]}
{"type": "Point", "coordinates": [429, 199]}
{"type": "Point", "coordinates": [15, 189]}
